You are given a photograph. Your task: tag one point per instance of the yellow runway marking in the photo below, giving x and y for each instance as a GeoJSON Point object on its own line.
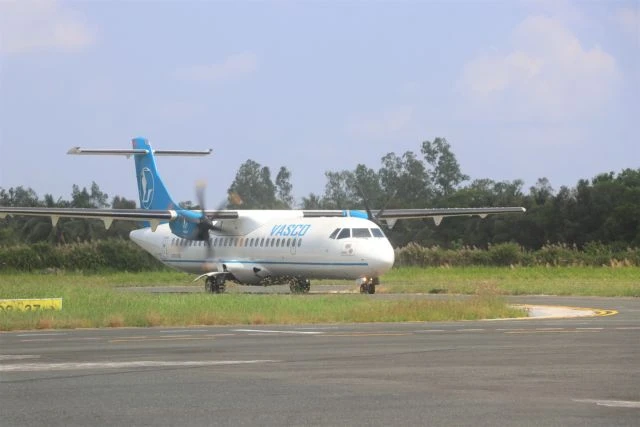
{"type": "Point", "coordinates": [602, 313]}
{"type": "Point", "coordinates": [31, 304]}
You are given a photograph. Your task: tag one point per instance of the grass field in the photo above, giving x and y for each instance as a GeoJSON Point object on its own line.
{"type": "Point", "coordinates": [578, 281]}
{"type": "Point", "coordinates": [97, 301]}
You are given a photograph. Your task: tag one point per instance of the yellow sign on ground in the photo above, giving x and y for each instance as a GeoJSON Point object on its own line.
{"type": "Point", "coordinates": [30, 304]}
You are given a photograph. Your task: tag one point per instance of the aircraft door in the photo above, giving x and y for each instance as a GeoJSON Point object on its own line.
{"type": "Point", "coordinates": [165, 247]}
{"type": "Point", "coordinates": [294, 246]}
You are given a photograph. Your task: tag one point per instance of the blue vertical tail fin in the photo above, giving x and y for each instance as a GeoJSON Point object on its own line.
{"type": "Point", "coordinates": [151, 190]}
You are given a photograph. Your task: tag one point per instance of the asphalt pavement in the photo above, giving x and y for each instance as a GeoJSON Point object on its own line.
{"type": "Point", "coordinates": [582, 371]}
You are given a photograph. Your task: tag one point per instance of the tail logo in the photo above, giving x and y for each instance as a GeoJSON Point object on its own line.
{"type": "Point", "coordinates": [146, 188]}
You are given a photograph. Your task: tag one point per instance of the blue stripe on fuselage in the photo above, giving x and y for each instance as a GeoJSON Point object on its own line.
{"type": "Point", "coordinates": [345, 264]}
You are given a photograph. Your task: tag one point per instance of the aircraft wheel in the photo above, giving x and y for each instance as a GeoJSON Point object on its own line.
{"type": "Point", "coordinates": [219, 286]}
{"type": "Point", "coordinates": [209, 285]}
{"type": "Point", "coordinates": [299, 286]}
{"type": "Point", "coordinates": [293, 287]}
{"type": "Point", "coordinates": [368, 288]}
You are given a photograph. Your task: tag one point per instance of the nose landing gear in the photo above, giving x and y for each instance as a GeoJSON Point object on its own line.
{"type": "Point", "coordinates": [368, 284]}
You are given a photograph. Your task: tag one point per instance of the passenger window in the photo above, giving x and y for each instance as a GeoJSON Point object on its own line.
{"type": "Point", "coordinates": [262, 242]}
{"type": "Point", "coordinates": [361, 233]}
{"type": "Point", "coordinates": [273, 242]}
{"type": "Point", "coordinates": [289, 242]}
{"type": "Point", "coordinates": [345, 233]}
{"type": "Point", "coordinates": [334, 234]}
{"type": "Point", "coordinates": [299, 242]}
{"type": "Point", "coordinates": [377, 232]}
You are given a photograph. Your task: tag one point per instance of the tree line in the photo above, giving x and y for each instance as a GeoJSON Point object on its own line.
{"type": "Point", "coordinates": [603, 209]}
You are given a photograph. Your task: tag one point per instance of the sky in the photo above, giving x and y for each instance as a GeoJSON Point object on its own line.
{"type": "Point", "coordinates": [520, 89]}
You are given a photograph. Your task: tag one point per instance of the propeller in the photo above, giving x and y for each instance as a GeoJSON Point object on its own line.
{"type": "Point", "coordinates": [204, 224]}
{"type": "Point", "coordinates": [370, 216]}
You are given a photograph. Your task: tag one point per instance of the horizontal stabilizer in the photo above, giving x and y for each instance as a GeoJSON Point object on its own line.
{"type": "Point", "coordinates": [133, 151]}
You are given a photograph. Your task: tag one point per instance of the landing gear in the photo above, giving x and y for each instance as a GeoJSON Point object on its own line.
{"type": "Point", "coordinates": [215, 284]}
{"type": "Point", "coordinates": [368, 285]}
{"type": "Point", "coordinates": [299, 285]}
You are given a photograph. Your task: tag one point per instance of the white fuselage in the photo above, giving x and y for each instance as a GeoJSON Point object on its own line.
{"type": "Point", "coordinates": [263, 244]}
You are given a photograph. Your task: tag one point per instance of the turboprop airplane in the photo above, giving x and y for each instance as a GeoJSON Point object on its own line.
{"type": "Point", "coordinates": [253, 247]}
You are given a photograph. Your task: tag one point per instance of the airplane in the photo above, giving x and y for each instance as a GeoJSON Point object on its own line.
{"type": "Point", "coordinates": [253, 247]}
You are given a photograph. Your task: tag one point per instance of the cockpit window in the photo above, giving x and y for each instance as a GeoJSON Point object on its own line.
{"type": "Point", "coordinates": [334, 234]}
{"type": "Point", "coordinates": [377, 232]}
{"type": "Point", "coordinates": [360, 232]}
{"type": "Point", "coordinates": [345, 233]}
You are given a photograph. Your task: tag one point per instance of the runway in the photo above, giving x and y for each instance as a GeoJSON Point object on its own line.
{"type": "Point", "coordinates": [583, 371]}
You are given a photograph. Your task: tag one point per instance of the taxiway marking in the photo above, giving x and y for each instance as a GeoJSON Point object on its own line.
{"type": "Point", "coordinates": [611, 403]}
{"type": "Point", "coordinates": [266, 331]}
{"type": "Point", "coordinates": [18, 356]}
{"type": "Point", "coordinates": [35, 367]}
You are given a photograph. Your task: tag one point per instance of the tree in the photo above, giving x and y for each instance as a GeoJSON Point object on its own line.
{"type": "Point", "coordinates": [313, 201]}
{"type": "Point", "coordinates": [340, 191]}
{"type": "Point", "coordinates": [445, 172]}
{"type": "Point", "coordinates": [284, 188]}
{"type": "Point", "coordinates": [89, 199]}
{"type": "Point", "coordinates": [252, 188]}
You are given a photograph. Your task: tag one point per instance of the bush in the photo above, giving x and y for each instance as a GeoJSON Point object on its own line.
{"type": "Point", "coordinates": [122, 255]}
{"type": "Point", "coordinates": [505, 254]}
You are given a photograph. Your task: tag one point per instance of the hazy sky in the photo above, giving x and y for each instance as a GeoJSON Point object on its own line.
{"type": "Point", "coordinates": [520, 89]}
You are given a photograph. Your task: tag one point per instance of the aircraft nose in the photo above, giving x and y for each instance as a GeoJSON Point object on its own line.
{"type": "Point", "coordinates": [382, 258]}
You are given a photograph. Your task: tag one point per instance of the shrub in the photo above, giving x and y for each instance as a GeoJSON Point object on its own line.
{"type": "Point", "coordinates": [504, 254]}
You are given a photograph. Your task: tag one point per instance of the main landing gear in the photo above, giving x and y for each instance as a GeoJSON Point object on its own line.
{"type": "Point", "coordinates": [215, 284]}
{"type": "Point", "coordinates": [368, 285]}
{"type": "Point", "coordinates": [298, 285]}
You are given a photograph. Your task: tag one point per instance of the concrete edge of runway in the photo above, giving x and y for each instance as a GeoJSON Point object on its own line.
{"type": "Point", "coordinates": [561, 312]}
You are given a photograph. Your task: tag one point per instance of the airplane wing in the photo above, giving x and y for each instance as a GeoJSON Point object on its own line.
{"type": "Point", "coordinates": [154, 217]}
{"type": "Point", "coordinates": [106, 215]}
{"type": "Point", "coordinates": [390, 216]}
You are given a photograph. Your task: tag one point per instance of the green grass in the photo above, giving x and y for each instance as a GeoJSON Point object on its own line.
{"type": "Point", "coordinates": [576, 281]}
{"type": "Point", "coordinates": [96, 301]}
